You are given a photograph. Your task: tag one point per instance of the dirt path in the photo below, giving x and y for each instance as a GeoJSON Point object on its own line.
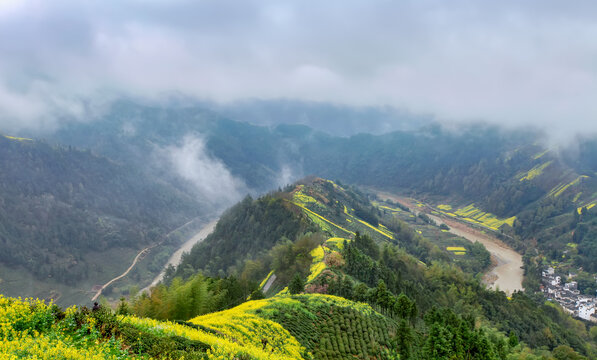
{"type": "Point", "coordinates": [99, 292]}
{"type": "Point", "coordinates": [507, 274]}
{"type": "Point", "coordinates": [186, 247]}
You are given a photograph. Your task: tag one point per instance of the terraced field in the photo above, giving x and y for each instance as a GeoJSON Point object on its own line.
{"type": "Point", "coordinates": [507, 274]}
{"type": "Point", "coordinates": [474, 215]}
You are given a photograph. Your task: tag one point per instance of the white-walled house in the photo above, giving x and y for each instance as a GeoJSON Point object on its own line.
{"type": "Point", "coordinates": [585, 311]}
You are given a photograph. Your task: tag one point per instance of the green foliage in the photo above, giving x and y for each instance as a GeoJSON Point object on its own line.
{"type": "Point", "coordinates": [333, 328]}
{"type": "Point", "coordinates": [123, 307]}
{"type": "Point", "coordinates": [442, 285]}
{"type": "Point", "coordinates": [366, 244]}
{"type": "Point", "coordinates": [297, 285]}
{"type": "Point", "coordinates": [405, 292]}
{"type": "Point", "coordinates": [368, 214]}
{"type": "Point", "coordinates": [479, 163]}
{"type": "Point", "coordinates": [83, 334]}
{"type": "Point", "coordinates": [564, 352]}
{"type": "Point", "coordinates": [257, 294]}
{"type": "Point", "coordinates": [478, 258]}
{"type": "Point", "coordinates": [185, 299]}
{"type": "Point", "coordinates": [512, 339]}
{"type": "Point", "coordinates": [535, 325]}
{"type": "Point", "coordinates": [61, 204]}
{"type": "Point", "coordinates": [451, 337]}
{"type": "Point", "coordinates": [246, 231]}
{"type": "Point", "coordinates": [404, 339]}
{"type": "Point", "coordinates": [294, 258]}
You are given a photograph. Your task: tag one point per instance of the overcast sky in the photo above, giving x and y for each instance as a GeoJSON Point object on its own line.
{"type": "Point", "coordinates": [512, 62]}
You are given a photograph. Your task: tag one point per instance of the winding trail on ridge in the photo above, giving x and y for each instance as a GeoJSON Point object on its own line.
{"type": "Point", "coordinates": [507, 272]}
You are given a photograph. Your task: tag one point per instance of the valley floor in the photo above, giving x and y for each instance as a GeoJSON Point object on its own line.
{"type": "Point", "coordinates": [174, 260]}
{"type": "Point", "coordinates": [507, 274]}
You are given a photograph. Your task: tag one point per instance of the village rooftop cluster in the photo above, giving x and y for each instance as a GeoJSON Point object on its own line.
{"type": "Point", "coordinates": [568, 295]}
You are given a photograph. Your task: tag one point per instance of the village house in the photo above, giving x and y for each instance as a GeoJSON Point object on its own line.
{"type": "Point", "coordinates": [568, 295]}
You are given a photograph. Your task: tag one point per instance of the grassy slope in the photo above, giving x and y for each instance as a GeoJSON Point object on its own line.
{"type": "Point", "coordinates": [283, 327]}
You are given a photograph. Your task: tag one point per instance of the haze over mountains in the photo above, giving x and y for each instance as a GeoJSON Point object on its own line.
{"type": "Point", "coordinates": [213, 161]}
{"type": "Point", "coordinates": [384, 180]}
{"type": "Point", "coordinates": [511, 64]}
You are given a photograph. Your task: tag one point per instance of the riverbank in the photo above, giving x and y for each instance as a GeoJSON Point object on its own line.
{"type": "Point", "coordinates": [506, 272]}
{"type": "Point", "coordinates": [176, 257]}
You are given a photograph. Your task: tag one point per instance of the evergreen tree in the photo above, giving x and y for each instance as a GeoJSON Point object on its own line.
{"type": "Point", "coordinates": [257, 295]}
{"type": "Point", "coordinates": [512, 339]}
{"type": "Point", "coordinates": [404, 339]}
{"type": "Point", "coordinates": [123, 307]}
{"type": "Point", "coordinates": [297, 285]}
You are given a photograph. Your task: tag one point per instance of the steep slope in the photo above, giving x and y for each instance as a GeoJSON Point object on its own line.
{"type": "Point", "coordinates": [364, 294]}
{"type": "Point", "coordinates": [312, 321]}
{"type": "Point", "coordinates": [505, 179]}
{"type": "Point", "coordinates": [255, 330]}
{"type": "Point", "coordinates": [60, 205]}
{"type": "Point", "coordinates": [501, 172]}
{"type": "Point", "coordinates": [365, 254]}
{"type": "Point", "coordinates": [244, 232]}
{"type": "Point", "coordinates": [137, 135]}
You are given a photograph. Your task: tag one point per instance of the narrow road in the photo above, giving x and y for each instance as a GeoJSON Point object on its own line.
{"type": "Point", "coordinates": [99, 292]}
{"type": "Point", "coordinates": [186, 247]}
{"type": "Point", "coordinates": [507, 274]}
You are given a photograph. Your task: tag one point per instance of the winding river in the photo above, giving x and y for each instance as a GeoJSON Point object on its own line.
{"type": "Point", "coordinates": [186, 247]}
{"type": "Point", "coordinates": [507, 272]}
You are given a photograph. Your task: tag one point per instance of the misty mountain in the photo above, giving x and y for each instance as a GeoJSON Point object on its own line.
{"type": "Point", "coordinates": [333, 119]}
{"type": "Point", "coordinates": [479, 163]}
{"type": "Point", "coordinates": [205, 155]}
{"type": "Point", "coordinates": [504, 172]}
{"type": "Point", "coordinates": [154, 139]}
{"type": "Point", "coordinates": [59, 204]}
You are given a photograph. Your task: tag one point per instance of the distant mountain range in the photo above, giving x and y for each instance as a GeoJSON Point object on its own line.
{"type": "Point", "coordinates": [152, 165]}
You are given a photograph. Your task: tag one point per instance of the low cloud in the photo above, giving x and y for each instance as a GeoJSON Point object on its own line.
{"type": "Point", "coordinates": [506, 62]}
{"type": "Point", "coordinates": [208, 175]}
{"type": "Point", "coordinates": [287, 175]}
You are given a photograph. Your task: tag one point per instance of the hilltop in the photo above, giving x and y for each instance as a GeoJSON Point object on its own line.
{"type": "Point", "coordinates": [504, 181]}
{"type": "Point", "coordinates": [362, 251]}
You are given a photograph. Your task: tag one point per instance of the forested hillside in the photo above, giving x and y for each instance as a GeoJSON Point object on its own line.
{"type": "Point", "coordinates": [138, 135]}
{"type": "Point", "coordinates": [504, 173]}
{"type": "Point", "coordinates": [60, 204]}
{"type": "Point", "coordinates": [244, 232]}
{"type": "Point", "coordinates": [344, 278]}
{"type": "Point", "coordinates": [437, 310]}
{"type": "Point", "coordinates": [508, 174]}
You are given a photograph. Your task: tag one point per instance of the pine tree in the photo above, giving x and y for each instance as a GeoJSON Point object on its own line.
{"type": "Point", "coordinates": [297, 285]}
{"type": "Point", "coordinates": [123, 307]}
{"type": "Point", "coordinates": [403, 340]}
{"type": "Point", "coordinates": [513, 339]}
